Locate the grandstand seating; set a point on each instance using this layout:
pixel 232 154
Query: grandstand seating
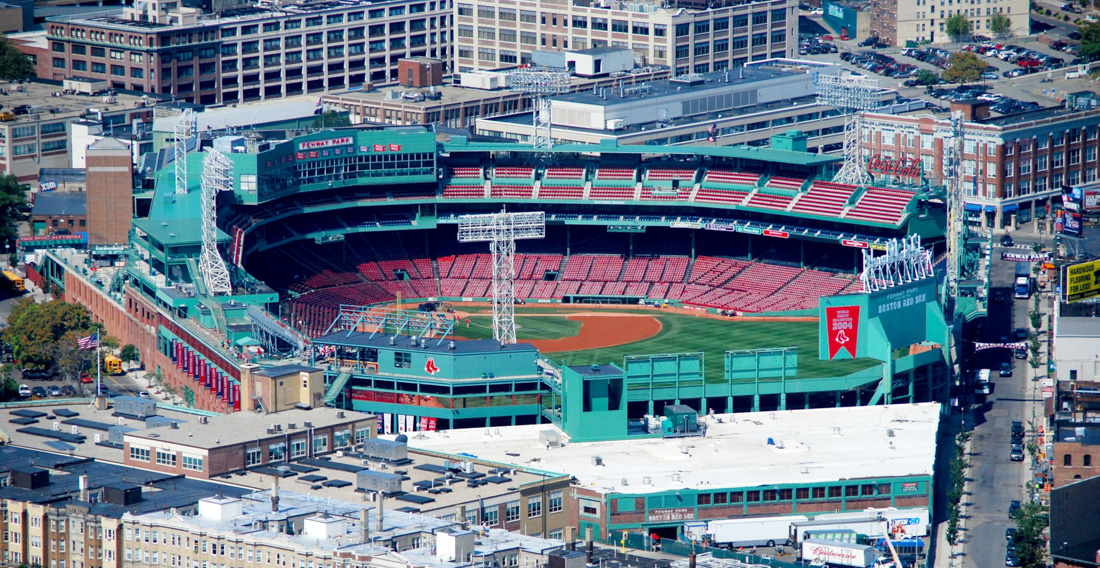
pixel 591 288
pixel 670 174
pixel 611 193
pixel 729 177
pixel 769 201
pixel 606 268
pixel 825 198
pixel 561 192
pixel 637 268
pixel 881 205
pixel 785 183
pixel 515 191
pixel 463 191
pixel 514 172
pixel 558 172
pixel 636 289
pixel 577 268
pixel 714 195
pixel 465 172
pixel 616 174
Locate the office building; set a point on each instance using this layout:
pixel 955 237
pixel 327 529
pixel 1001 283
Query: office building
pixel 1012 165
pixel 899 23
pixel 248 53
pixel 689 37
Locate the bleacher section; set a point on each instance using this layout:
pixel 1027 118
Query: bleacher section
pixel 615 176
pixel 785 183
pixel 513 191
pixel 514 172
pixel 465 172
pixel 681 175
pixel 763 200
pixel 726 196
pixel 463 192
pixel 729 177
pixel 557 172
pixel 881 205
pixel 611 193
pixel 824 198
pixel 561 192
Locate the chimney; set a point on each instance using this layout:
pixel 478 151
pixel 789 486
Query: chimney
pixel 275 495
pixel 364 529
pixel 460 515
pixel 570 538
pixel 378 522
pixel 82 483
pixel 588 553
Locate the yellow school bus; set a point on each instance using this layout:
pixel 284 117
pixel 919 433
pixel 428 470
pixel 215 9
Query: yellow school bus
pixel 13 282
pixel 112 364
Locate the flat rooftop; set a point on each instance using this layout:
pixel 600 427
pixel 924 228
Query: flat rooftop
pixel 245 116
pixel 680 86
pixel 240 427
pixel 45 106
pixel 364 339
pixel 811 446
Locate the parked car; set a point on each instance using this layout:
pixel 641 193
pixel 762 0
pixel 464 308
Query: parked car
pixel 1006 369
pixel 24 391
pixel 1021 334
pixel 990 76
pixel 39 392
pixel 1016 455
pixel 54 390
pixel 1013 508
pixel 68 390
pixel 1006 240
pixel 87 379
pixel 1017 430
pixel 983 388
pixel 1010 534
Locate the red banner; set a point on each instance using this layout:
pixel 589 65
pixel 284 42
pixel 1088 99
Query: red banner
pixel 367 395
pixel 236 397
pixel 842 327
pixel 778 234
pixel 856 244
pixel 427 424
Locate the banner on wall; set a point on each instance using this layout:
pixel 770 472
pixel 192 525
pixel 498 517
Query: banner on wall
pixel 842 326
pixel 236 397
pixel 386 425
pixel 427 424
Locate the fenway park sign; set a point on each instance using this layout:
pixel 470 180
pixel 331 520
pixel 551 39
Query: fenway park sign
pixel 900 167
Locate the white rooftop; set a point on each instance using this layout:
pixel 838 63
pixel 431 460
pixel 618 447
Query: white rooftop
pixel 810 446
pixel 245 116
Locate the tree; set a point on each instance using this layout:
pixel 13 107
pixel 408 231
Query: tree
pixel 331 119
pixel 13 196
pixel 14 65
pixel 129 353
pixel 40 333
pixel 957 27
pixel 1090 41
pixel 1000 25
pixel 963 67
pixel 926 77
pixel 1031 521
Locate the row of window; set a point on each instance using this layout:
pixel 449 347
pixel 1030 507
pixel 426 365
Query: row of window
pixel 622 26
pixel 191 462
pixel 801 494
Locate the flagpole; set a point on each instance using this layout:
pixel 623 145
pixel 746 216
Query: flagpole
pixel 98 376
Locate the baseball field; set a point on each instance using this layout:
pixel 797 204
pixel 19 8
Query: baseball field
pixel 577 335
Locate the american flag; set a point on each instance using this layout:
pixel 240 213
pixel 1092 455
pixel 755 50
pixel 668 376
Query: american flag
pixel 90 342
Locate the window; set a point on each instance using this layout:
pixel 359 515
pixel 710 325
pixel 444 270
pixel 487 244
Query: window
pixel 703 499
pixel 252 456
pixel 490 517
pixel 759 18
pixel 402 360
pixel 341 438
pixel 599 24
pixel 276 452
pixel 466 31
pixel 555 502
pixel 297 448
pixel 511 511
pixel 639 28
pixel 660 30
pixel 702 27
pixel 534 507
pixel 1057 160
pixel 486 12
pixel 320 444
pixel 506 14
pixel 137 452
pixel 192 462
pixel 529 17
pixel 620 26
pixel 1067 460
pixel 1086 460
pixel 589 507
pixel 58 63
pixel 137 73
pixel 165 457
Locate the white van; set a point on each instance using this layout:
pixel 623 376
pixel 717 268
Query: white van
pixel 981 376
pixel 24 391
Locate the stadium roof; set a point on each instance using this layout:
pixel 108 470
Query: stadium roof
pixel 735 152
pixel 810 446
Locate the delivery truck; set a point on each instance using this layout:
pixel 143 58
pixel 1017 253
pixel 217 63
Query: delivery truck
pixel 1023 280
pixel 908 523
pixel 753 531
pixel 820 552
pixel 864 524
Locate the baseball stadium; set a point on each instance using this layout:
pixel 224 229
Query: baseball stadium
pixel 698 277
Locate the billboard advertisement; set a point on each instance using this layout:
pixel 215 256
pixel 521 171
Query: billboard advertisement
pixel 1071 223
pixel 1082 281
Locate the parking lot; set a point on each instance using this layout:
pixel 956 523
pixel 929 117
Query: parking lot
pixel 39 386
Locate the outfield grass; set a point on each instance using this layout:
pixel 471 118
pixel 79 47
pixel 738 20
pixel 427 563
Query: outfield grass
pixel 680 333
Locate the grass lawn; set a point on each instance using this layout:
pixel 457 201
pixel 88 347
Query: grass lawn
pixel 680 333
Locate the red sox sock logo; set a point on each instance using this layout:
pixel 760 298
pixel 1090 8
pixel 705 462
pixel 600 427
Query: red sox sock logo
pixel 430 366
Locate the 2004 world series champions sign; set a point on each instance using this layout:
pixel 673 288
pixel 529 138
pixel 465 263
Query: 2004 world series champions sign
pixel 842 325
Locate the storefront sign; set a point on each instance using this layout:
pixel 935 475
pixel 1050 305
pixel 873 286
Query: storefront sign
pixel 901 167
pixel 677 514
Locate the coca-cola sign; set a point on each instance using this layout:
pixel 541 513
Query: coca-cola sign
pixel 900 167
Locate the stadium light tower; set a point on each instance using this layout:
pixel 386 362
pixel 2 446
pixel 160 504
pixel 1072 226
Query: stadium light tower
pixel 851 96
pixel 217 175
pixel 501 230
pixel 186 127
pixel 953 186
pixel 542 83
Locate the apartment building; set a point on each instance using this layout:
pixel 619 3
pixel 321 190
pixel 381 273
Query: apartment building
pixel 1012 165
pixel 919 21
pixel 301 530
pixel 248 53
pixel 690 38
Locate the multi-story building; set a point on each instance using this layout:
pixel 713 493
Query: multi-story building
pixel 293 529
pixel 922 21
pixel 1012 165
pixel 38 137
pixel 689 38
pixel 249 53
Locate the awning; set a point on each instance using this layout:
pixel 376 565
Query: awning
pixel 247 341
pixel 972 207
pixel 1011 208
pixel 990 209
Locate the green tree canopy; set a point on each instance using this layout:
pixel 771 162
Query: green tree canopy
pixel 14 65
pixel 41 334
pixel 129 353
pixel 1031 520
pixel 926 77
pixel 13 195
pixel 963 67
pixel 1000 25
pixel 1090 41
pixel 331 119
pixel 957 27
